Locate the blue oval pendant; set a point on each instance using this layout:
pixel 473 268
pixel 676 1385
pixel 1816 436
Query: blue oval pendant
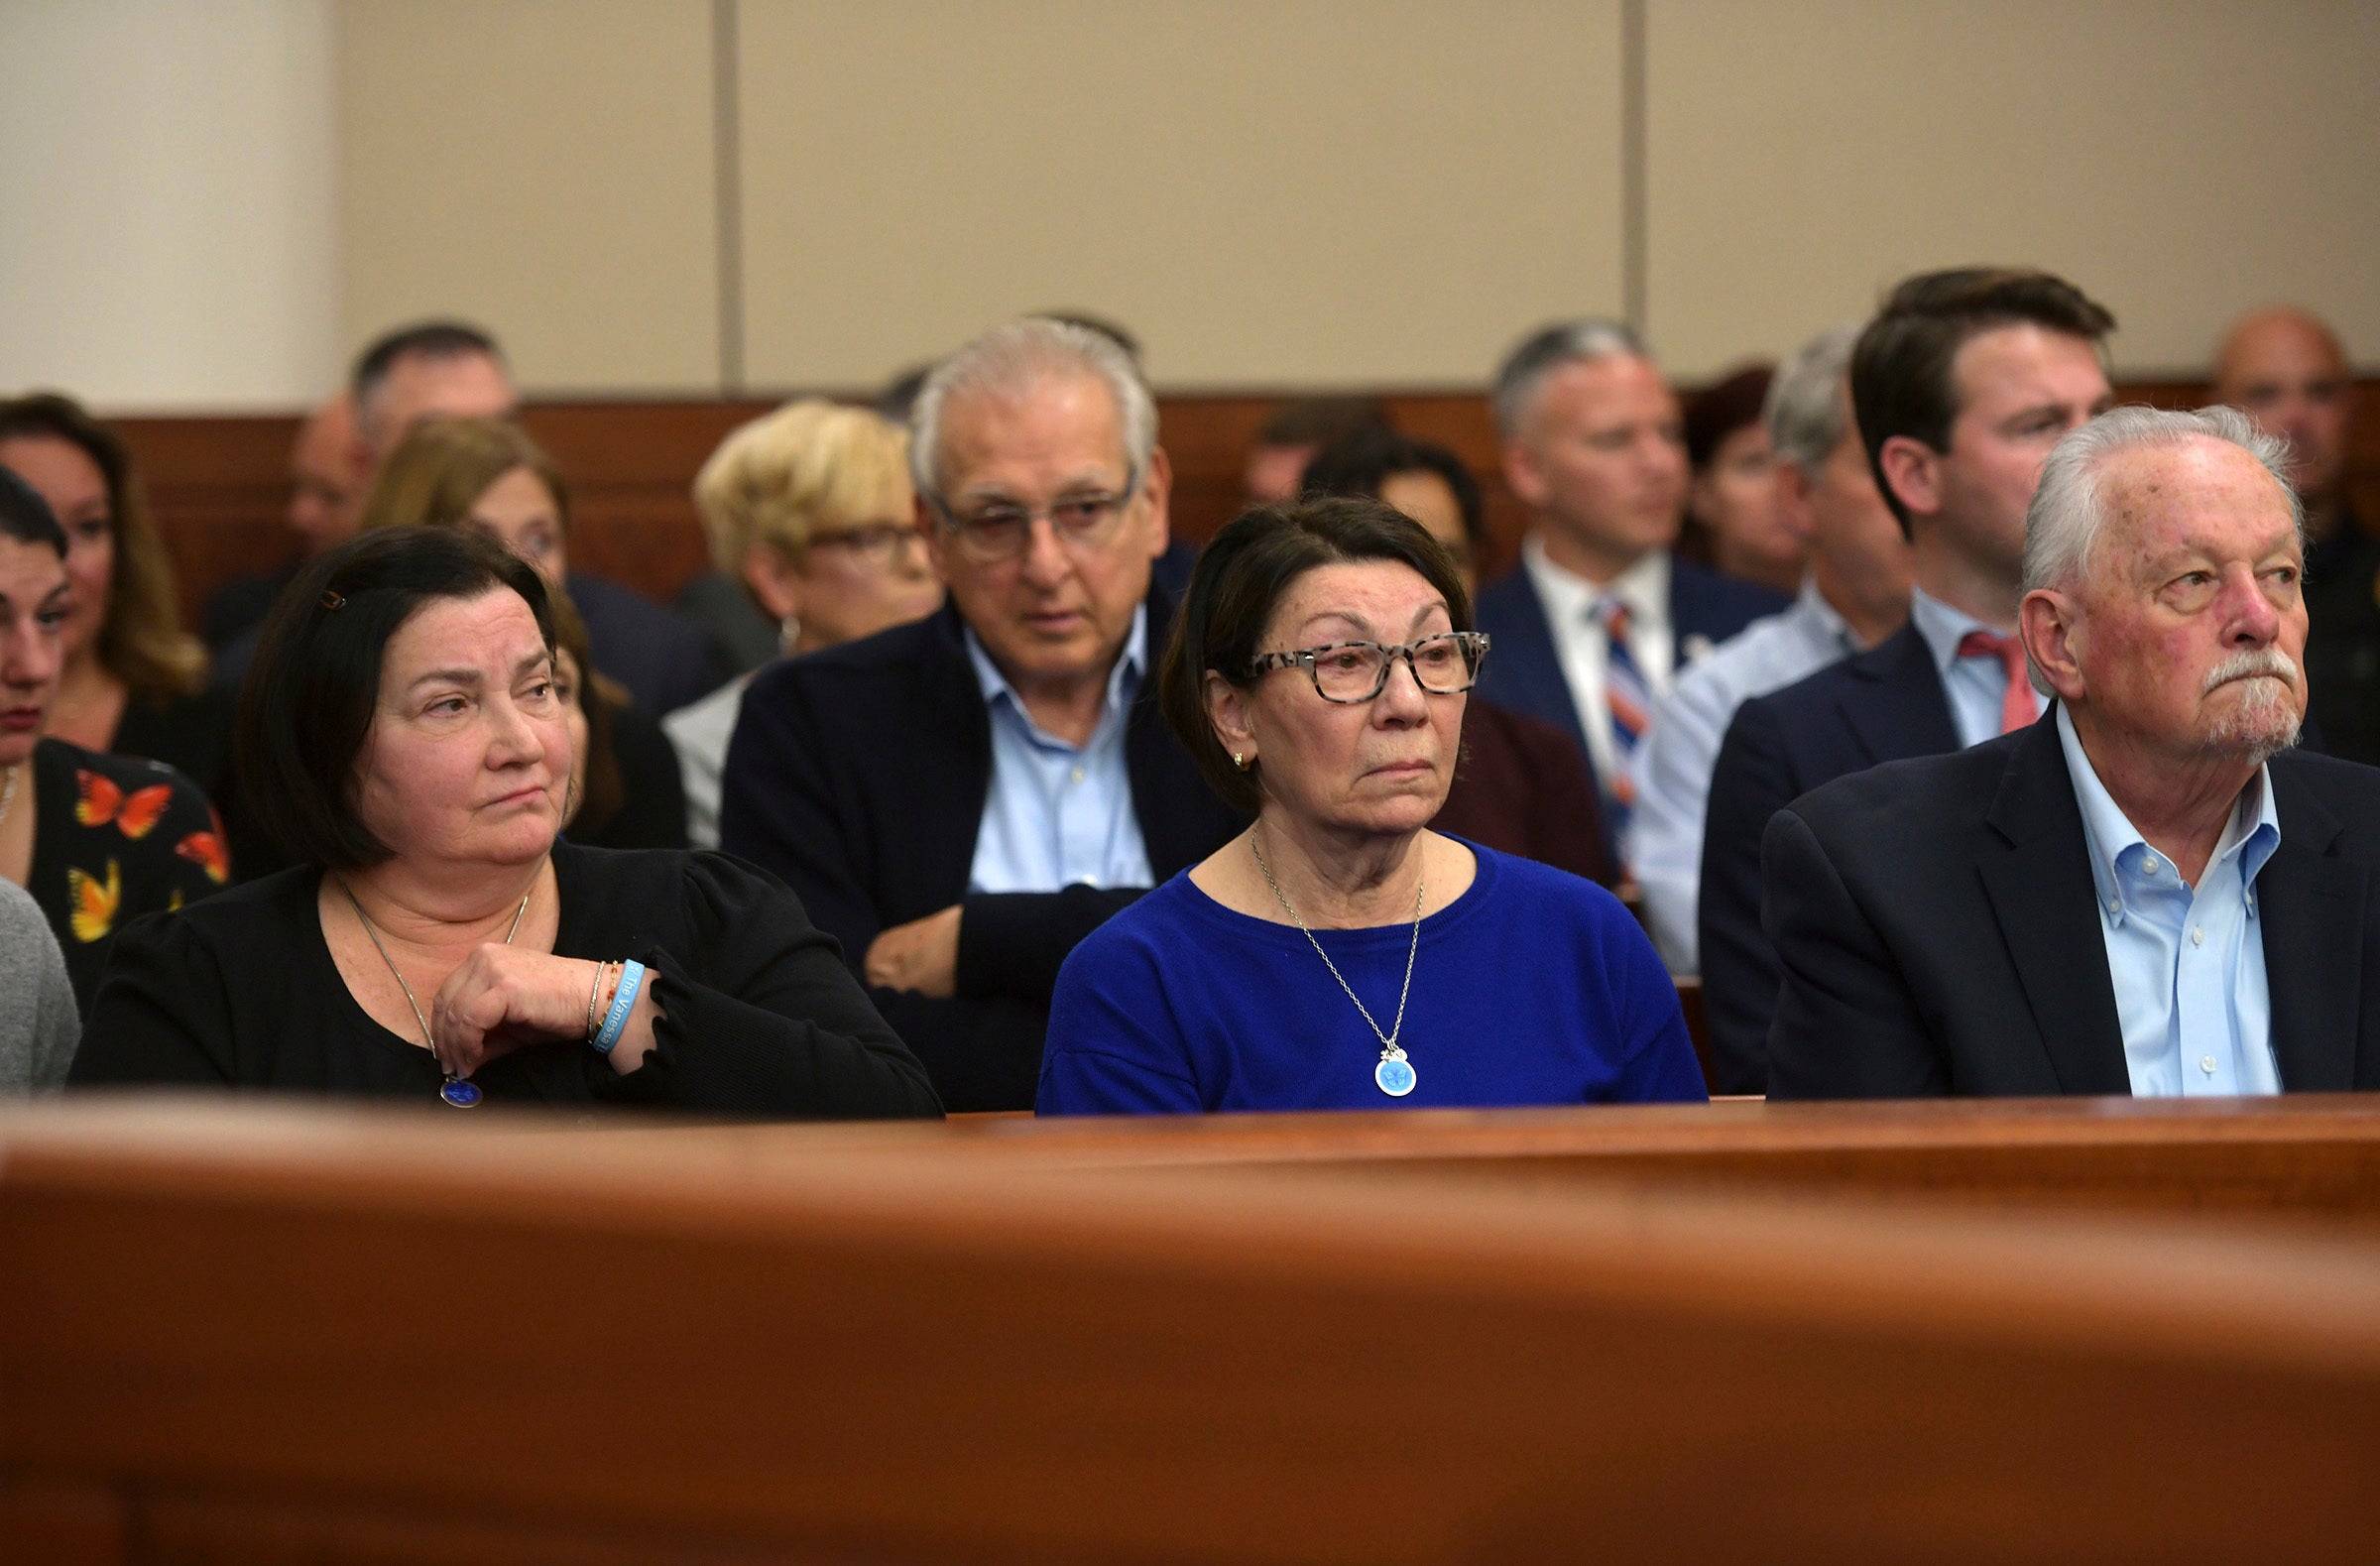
pixel 466 1095
pixel 1394 1076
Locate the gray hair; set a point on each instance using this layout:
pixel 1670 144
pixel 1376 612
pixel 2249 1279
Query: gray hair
pixel 1012 359
pixel 1808 408
pixel 1546 350
pixel 2069 513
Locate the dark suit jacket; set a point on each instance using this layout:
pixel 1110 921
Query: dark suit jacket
pixel 1881 705
pixel 2343 642
pixel 859 774
pixel 1525 670
pixel 658 655
pixel 1521 789
pixel 1940 932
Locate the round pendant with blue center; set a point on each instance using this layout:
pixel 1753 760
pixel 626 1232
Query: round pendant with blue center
pixel 466 1095
pixel 1394 1075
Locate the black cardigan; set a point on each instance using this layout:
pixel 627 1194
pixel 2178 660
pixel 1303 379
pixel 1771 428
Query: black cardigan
pixel 859 774
pixel 759 1019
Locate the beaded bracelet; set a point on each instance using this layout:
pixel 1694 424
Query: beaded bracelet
pixel 624 1001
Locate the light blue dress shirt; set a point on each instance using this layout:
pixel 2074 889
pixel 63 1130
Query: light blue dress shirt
pixel 1978 685
pixel 1059 814
pixel 1663 846
pixel 2188 963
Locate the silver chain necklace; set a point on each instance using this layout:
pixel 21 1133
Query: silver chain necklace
pixel 459 1091
pixel 1393 1074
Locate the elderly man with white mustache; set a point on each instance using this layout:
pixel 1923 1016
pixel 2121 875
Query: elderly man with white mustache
pixel 2146 892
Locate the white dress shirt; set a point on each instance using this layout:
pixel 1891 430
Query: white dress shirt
pixel 1663 848
pixel 1977 684
pixel 1570 601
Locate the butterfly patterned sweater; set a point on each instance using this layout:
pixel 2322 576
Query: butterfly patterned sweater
pixel 117 837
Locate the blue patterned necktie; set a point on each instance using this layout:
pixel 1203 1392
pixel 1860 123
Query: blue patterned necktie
pixel 1630 701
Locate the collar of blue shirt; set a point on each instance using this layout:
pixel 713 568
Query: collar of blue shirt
pixel 2119 854
pixel 1123 683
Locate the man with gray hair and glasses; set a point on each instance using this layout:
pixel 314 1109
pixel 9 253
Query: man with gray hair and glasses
pixel 1856 595
pixel 962 799
pixel 1600 615
pixel 2144 892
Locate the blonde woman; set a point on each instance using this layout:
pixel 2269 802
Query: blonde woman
pixel 811 509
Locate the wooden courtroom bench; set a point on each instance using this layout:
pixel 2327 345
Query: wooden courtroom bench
pixel 2310 1158
pixel 278 1333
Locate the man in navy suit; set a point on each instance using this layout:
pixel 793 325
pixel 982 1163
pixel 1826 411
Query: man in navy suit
pixel 2142 893
pixel 1961 385
pixel 1600 614
pixel 962 799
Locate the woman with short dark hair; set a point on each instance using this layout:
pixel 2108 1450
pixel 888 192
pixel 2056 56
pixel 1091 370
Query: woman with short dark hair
pixel 488 475
pixel 402 733
pixel 1524 787
pixel 98 839
pixel 1339 954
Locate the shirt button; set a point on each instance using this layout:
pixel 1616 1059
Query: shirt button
pixel 1076 776
pixel 2152 864
pixel 2206 1064
pixel 2197 936
pixel 2114 906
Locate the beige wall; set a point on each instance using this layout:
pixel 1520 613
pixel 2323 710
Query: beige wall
pixel 1269 193
pixel 168 213
pixel 2180 159
pixel 543 167
pixel 215 201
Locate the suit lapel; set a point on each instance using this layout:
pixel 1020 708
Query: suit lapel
pixel 1905 712
pixel 2309 903
pixel 2042 895
pixel 1525 667
pixel 941 842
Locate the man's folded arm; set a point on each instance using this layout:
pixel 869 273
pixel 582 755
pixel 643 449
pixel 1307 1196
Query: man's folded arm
pixel 1012 943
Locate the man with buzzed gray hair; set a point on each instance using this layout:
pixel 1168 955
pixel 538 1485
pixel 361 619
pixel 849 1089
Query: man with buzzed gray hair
pixel 1856 595
pixel 960 800
pixel 2144 892
pixel 1592 626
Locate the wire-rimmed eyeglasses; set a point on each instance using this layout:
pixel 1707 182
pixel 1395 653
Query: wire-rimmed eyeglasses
pixel 1353 672
pixel 1000 529
pixel 875 546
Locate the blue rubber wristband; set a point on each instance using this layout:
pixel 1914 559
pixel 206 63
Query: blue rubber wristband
pixel 624 1001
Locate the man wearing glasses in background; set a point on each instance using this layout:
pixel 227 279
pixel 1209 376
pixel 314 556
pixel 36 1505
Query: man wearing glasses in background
pixel 959 801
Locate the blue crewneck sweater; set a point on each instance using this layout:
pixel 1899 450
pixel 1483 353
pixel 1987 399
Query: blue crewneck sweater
pixel 1533 987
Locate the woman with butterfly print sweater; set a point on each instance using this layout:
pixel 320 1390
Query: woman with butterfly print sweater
pixel 96 839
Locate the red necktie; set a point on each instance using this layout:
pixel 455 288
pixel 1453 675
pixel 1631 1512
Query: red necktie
pixel 2016 703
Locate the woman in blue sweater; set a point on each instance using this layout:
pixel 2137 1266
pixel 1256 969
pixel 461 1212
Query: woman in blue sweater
pixel 1339 954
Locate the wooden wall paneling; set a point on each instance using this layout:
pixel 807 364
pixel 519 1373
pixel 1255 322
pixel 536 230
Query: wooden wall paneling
pixel 911 1358
pixel 218 484
pixel 47 1521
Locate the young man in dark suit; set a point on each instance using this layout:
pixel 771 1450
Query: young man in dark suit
pixel 2144 892
pixel 961 801
pixel 1960 387
pixel 1600 613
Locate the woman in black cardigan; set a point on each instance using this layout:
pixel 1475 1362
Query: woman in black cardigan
pixel 436 941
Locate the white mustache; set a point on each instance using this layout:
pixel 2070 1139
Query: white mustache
pixel 2249 665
